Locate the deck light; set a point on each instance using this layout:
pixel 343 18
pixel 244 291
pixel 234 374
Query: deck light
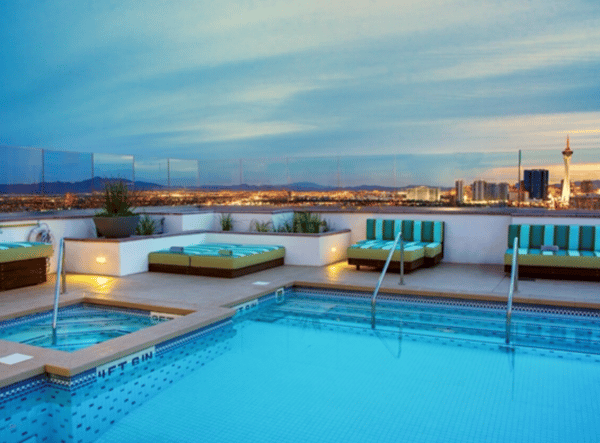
pixel 101 260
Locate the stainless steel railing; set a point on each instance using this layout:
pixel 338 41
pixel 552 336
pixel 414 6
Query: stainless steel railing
pixel 61 285
pixel 385 267
pixel 514 277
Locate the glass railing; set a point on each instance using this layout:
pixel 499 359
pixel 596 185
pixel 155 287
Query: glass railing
pixel 26 170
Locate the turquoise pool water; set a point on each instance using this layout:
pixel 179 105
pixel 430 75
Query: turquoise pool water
pixel 311 369
pixel 78 326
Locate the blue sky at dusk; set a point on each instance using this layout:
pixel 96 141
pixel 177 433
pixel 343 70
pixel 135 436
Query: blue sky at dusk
pixel 243 79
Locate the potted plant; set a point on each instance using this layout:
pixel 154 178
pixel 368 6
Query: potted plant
pixel 116 220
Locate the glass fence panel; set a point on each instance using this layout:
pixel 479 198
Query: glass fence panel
pixel 215 174
pixel 265 172
pixel 183 173
pixel 21 170
pixel 109 167
pixel 365 172
pixel 313 173
pixel 67 172
pixel 151 174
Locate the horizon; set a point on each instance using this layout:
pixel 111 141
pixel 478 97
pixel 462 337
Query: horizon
pixel 236 80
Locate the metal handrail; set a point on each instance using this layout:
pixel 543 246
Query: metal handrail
pixel 387 263
pixel 60 278
pixel 514 276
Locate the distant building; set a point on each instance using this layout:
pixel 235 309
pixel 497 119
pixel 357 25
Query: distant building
pixel 423 193
pixel 566 187
pixel 460 192
pixel 478 189
pixel 535 181
pixel 587 186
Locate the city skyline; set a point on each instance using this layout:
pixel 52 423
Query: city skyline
pixel 240 80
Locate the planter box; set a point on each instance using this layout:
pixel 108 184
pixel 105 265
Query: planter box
pixel 119 257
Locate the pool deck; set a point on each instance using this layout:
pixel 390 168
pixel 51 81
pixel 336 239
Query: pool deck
pixel 211 299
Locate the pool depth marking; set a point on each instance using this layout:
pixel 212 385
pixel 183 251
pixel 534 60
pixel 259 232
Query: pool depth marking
pixel 130 361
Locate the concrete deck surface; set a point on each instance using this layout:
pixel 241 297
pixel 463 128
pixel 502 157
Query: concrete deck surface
pixel 211 298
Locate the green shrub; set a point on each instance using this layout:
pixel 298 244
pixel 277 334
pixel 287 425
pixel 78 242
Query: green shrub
pixel 226 221
pixel 146 226
pixel 117 201
pixel 309 223
pixel 260 226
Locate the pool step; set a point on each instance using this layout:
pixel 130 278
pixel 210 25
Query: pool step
pixel 535 329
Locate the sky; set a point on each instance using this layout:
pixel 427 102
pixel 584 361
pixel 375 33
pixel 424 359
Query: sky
pixel 211 80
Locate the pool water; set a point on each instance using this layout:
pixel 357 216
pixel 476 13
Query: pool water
pixel 78 326
pixel 312 370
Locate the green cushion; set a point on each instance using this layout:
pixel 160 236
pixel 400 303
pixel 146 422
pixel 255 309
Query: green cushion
pixel 411 253
pixel 597 239
pixel 586 238
pixel 17 251
pixel 433 249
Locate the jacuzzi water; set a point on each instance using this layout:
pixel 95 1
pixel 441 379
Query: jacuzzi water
pixel 311 369
pixel 78 326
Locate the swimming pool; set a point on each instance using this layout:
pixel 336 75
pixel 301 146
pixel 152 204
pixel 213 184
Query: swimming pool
pixel 311 369
pixel 79 326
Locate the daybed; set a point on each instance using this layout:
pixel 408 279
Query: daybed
pixel 23 264
pixel 216 259
pixel 556 251
pixel 423 244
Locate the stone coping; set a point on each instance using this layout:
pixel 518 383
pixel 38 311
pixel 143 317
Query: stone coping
pixel 391 210
pixel 178 234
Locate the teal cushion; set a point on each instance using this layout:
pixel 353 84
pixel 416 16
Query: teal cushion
pixel 524 237
pixel 513 231
pixel 438 231
pixel 586 238
pixel 574 238
pixel 388 229
pixel 370 229
pixel 561 236
pixel 378 229
pixel 417 231
pixel 548 235
pixel 427 232
pixel 536 236
pixel 407 230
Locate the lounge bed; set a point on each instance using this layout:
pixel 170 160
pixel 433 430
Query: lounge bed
pixel 423 244
pixel 216 259
pixel 23 264
pixel 556 251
